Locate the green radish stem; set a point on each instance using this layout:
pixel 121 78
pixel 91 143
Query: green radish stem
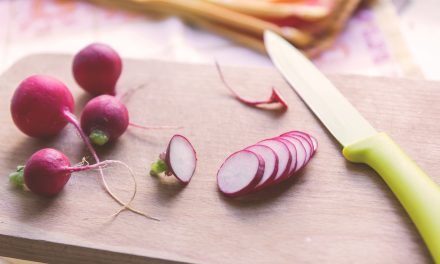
pixel 98 137
pixel 160 166
pixel 72 119
pixel 16 177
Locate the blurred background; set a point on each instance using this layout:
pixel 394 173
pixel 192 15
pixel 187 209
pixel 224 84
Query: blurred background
pixel 382 37
pixel 394 38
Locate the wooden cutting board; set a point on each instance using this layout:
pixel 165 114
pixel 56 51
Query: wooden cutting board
pixel 333 212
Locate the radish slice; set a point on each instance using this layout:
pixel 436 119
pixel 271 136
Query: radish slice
pixel 292 150
pixel 240 173
pixel 301 154
pixel 307 146
pixel 306 137
pixel 315 144
pixel 270 164
pixel 181 158
pixel 284 157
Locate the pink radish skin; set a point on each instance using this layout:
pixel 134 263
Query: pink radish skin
pixel 284 158
pixel 96 68
pixel 301 155
pixel 292 150
pixel 275 97
pixel 42 106
pixel 270 164
pixel 240 173
pixel 179 159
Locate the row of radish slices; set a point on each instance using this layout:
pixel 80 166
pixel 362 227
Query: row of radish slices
pixel 266 163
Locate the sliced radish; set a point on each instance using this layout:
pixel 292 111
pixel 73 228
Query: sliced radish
pixel 301 154
pixel 181 158
pixel 240 173
pixel 284 157
pixel 312 142
pixel 292 150
pixel 270 164
pixel 307 146
pixel 315 144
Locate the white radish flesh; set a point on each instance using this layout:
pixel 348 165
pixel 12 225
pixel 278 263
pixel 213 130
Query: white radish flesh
pixel 270 164
pixel 315 144
pixel 307 146
pixel 292 150
pixel 301 155
pixel 312 142
pixel 181 158
pixel 240 173
pixel 284 157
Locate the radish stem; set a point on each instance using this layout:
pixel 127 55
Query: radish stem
pixel 16 177
pixel 158 167
pixel 98 137
pixel 72 119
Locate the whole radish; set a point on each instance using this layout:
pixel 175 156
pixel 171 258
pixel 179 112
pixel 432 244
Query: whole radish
pixel 96 68
pixel 48 170
pixel 105 118
pixel 42 106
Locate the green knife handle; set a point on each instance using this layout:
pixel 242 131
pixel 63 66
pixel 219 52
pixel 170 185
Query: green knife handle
pixel 419 194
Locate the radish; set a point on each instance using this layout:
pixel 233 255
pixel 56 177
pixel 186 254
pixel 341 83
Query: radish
pixel 270 164
pixel 273 161
pixel 41 106
pixel 275 97
pixel 96 68
pixel 284 157
pixel 292 150
pixel 306 144
pixel 301 154
pixel 105 118
pixel 48 170
pixel 240 173
pixel 180 160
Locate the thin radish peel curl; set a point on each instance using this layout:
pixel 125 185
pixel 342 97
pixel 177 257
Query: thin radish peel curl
pixel 275 97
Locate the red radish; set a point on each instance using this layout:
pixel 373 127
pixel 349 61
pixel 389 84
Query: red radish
pixel 96 68
pixel 240 173
pixel 48 170
pixel 312 141
pixel 275 97
pixel 180 160
pixel 307 146
pixel 105 118
pixel 292 150
pixel 270 164
pixel 41 106
pixel 284 157
pixel 301 155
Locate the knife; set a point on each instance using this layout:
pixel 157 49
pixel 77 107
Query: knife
pixel 416 191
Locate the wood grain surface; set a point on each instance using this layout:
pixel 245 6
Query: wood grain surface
pixel 333 212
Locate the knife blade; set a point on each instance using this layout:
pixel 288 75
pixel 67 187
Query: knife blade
pixel 416 191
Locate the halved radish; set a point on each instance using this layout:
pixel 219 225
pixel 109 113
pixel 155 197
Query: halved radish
pixel 284 157
pixel 301 155
pixel 270 164
pixel 292 150
pixel 240 173
pixel 180 160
